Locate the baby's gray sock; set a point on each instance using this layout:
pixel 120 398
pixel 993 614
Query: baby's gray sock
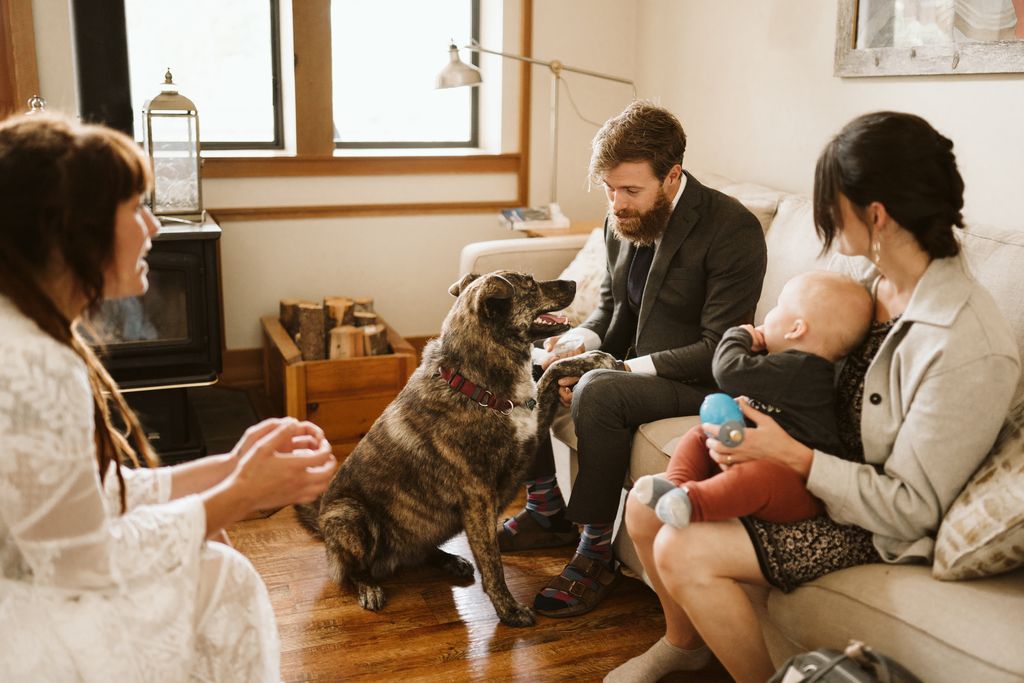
pixel 649 488
pixel 675 508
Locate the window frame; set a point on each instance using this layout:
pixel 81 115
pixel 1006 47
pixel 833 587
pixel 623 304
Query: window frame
pixel 305 153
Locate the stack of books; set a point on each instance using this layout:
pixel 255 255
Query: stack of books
pixel 534 218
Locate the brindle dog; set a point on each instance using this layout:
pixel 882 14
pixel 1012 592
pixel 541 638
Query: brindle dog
pixel 446 455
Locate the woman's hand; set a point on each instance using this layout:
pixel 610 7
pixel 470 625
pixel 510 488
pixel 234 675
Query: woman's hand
pixel 766 441
pixel 290 463
pixel 279 462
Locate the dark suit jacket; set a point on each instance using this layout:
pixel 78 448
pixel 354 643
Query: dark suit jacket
pixel 705 278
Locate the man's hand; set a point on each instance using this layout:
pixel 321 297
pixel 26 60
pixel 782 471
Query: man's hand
pixel 558 351
pixel 565 387
pixel 757 334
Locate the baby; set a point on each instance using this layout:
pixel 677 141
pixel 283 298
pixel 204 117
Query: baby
pixel 786 367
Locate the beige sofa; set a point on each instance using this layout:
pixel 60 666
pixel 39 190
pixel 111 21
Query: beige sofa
pixel 962 631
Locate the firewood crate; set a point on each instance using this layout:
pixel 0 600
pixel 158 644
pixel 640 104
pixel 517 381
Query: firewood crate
pixel 344 396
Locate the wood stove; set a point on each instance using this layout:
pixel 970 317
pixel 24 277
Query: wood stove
pixel 158 345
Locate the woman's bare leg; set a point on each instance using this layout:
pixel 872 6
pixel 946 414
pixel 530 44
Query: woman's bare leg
pixel 700 567
pixel 681 649
pixel 643 526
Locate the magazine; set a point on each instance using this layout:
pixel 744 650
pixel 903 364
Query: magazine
pixel 534 218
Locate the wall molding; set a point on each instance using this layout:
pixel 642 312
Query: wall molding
pixel 263 167
pixel 242 368
pixel 259 213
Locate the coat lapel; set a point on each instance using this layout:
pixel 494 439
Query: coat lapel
pixel 680 224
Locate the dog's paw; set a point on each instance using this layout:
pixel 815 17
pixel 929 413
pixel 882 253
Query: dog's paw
pixel 371 597
pixel 518 615
pixel 576 366
pixel 459 567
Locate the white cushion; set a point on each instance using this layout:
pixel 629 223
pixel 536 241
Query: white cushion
pixel 793 248
pixel 587 269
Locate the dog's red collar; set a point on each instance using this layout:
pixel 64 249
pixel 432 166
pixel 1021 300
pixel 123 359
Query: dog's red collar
pixel 482 396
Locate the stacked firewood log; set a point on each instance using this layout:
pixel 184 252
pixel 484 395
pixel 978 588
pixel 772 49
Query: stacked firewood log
pixel 337 327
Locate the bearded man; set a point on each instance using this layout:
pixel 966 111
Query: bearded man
pixel 685 263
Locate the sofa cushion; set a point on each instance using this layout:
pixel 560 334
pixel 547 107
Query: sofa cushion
pixel 587 270
pixel 995 256
pixel 967 631
pixel 761 201
pixel 793 248
pixel 983 532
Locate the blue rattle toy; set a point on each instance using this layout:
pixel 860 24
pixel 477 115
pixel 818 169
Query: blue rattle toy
pixel 722 410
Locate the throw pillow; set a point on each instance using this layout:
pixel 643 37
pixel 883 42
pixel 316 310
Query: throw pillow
pixel 983 532
pixel 588 269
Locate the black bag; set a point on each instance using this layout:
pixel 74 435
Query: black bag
pixel 857 664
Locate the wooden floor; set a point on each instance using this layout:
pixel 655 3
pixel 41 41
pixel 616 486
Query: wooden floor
pixel 434 630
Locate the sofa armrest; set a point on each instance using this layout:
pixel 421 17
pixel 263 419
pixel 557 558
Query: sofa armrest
pixel 543 257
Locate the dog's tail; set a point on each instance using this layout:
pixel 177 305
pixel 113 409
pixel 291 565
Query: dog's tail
pixel 308 514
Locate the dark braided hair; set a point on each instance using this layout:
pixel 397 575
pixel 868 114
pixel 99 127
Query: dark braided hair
pixel 899 160
pixel 60 185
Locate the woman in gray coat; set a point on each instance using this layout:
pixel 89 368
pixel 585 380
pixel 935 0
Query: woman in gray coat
pixel 918 405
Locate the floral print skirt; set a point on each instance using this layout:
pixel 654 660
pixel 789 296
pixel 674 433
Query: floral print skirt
pixel 793 554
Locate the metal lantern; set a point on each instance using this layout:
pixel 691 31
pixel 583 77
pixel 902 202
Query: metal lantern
pixel 36 105
pixel 171 139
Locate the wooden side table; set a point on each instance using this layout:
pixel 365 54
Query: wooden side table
pixel 575 228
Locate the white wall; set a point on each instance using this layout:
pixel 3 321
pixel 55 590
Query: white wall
pixel 752 83
pixel 405 263
pixel 597 35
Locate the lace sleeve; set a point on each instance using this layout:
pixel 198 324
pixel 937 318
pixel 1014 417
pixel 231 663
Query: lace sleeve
pixel 51 502
pixel 143 486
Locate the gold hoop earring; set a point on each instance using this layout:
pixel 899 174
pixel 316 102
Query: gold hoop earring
pixel 876 251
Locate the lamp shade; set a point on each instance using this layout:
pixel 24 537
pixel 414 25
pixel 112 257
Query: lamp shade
pixel 456 72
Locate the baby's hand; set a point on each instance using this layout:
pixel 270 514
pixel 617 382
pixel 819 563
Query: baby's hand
pixel 757 335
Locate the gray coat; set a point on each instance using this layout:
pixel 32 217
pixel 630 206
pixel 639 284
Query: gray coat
pixel 705 278
pixel 935 396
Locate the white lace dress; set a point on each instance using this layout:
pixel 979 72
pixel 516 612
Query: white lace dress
pixel 89 594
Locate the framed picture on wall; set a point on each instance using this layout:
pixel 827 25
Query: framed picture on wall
pixel 919 37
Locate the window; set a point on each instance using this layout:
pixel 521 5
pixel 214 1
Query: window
pixel 123 48
pixel 385 57
pixel 226 57
pixel 239 99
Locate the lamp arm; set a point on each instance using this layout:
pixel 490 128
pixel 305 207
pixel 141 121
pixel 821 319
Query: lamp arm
pixel 555 66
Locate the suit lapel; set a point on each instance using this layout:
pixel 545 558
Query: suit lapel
pixel 680 223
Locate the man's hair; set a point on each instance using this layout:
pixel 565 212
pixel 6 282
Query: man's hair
pixel 642 132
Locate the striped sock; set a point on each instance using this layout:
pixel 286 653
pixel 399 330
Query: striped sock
pixel 596 543
pixel 543 501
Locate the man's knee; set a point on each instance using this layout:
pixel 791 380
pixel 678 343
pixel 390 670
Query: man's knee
pixel 599 393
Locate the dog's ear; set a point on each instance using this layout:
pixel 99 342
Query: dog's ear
pixel 457 287
pixel 496 287
pixel 494 297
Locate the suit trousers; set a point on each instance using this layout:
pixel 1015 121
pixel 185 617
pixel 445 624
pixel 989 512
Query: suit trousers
pixel 607 408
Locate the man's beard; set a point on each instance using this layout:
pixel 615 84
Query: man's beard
pixel 642 229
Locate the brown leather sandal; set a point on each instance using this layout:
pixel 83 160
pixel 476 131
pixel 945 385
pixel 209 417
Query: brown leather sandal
pixel 589 596
pixel 530 534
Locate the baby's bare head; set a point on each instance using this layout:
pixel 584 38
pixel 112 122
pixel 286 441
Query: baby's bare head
pixel 836 311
